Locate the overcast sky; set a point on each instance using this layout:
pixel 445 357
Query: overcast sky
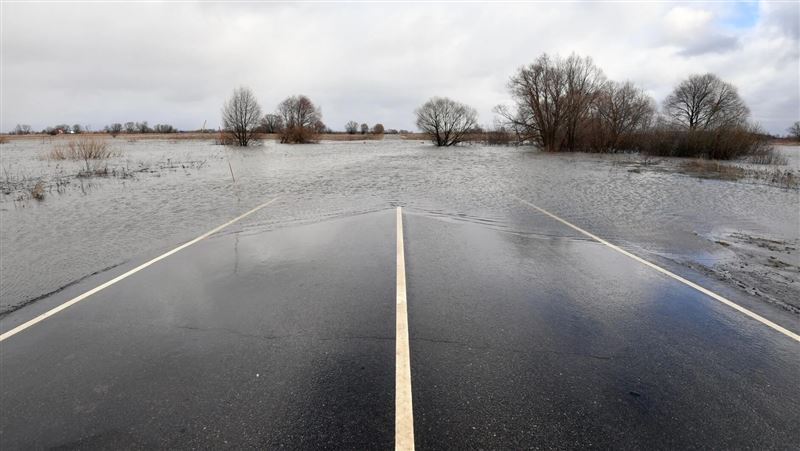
pixel 98 63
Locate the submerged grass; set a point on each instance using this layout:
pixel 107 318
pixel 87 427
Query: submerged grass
pixel 777 176
pixel 81 149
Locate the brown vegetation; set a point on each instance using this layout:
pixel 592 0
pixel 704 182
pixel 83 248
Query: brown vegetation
pixel 347 137
pixel 86 149
pixel 301 119
pixel 553 98
pixel 720 144
pixel 37 192
pixel 566 104
pixel 784 178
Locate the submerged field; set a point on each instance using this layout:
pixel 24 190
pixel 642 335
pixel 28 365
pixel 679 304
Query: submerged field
pixel 739 225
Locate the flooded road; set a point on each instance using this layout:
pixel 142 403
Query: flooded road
pixel 278 329
pixel 171 191
pixel 284 338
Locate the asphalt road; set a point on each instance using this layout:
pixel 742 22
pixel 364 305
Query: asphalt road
pixel 286 339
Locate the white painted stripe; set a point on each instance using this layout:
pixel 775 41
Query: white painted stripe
pixel 697 287
pixel 403 412
pixel 133 271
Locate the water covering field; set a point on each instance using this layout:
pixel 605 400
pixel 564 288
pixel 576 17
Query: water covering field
pixel 155 194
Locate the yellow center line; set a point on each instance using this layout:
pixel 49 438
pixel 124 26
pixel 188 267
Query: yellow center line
pixel 133 271
pixel 668 273
pixel 403 412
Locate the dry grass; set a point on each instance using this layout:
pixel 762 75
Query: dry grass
pixel 776 176
pixel 3 139
pixel 767 155
pixel 86 149
pixel 37 192
pixel 81 149
pixel 348 137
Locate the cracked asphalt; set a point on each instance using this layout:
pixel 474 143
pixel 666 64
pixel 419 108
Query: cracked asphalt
pixel 286 339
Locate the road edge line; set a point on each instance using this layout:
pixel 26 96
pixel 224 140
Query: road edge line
pixel 133 271
pixel 668 273
pixel 403 410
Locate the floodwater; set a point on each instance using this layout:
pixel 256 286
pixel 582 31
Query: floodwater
pixel 157 194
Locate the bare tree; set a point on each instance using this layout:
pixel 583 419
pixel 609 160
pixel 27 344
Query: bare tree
pixel 446 121
pixel 77 128
pixel 377 129
pixel 622 109
pixel 130 127
pixel 299 116
pixel 271 123
pixel 351 127
pixel 364 129
pixel 142 127
pixel 794 131
pixel 320 127
pixel 553 96
pixel 164 128
pixel 114 129
pixel 539 92
pixel 584 84
pixel 22 129
pixel 704 102
pixel 241 116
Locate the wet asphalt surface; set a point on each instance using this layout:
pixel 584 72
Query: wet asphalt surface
pixel 285 339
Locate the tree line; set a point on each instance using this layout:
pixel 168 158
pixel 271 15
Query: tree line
pixel 112 129
pixel 138 127
pixel 295 120
pixel 569 104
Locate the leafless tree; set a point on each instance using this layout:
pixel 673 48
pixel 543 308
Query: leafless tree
pixel 794 131
pixel 364 129
pixel 77 128
pixel 114 129
pixel 704 102
pixel 241 116
pixel 552 96
pixel 22 129
pixel 164 128
pixel 299 116
pixel 130 127
pixel 584 84
pixel 446 121
pixel 377 129
pixel 142 127
pixel 539 93
pixel 271 123
pixel 351 127
pixel 621 109
pixel 320 127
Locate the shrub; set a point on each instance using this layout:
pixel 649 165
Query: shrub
pixel 86 149
pixel 721 144
pixel 37 192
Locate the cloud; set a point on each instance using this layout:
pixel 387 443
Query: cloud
pixel 97 63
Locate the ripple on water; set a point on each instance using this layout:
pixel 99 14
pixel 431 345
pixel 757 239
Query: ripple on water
pixel 184 188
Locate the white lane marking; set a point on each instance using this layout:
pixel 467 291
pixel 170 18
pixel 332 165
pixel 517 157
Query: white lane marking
pixel 83 296
pixel 403 412
pixel 697 287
